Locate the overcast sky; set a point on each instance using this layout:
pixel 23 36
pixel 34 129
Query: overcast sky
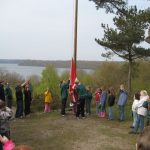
pixel 44 29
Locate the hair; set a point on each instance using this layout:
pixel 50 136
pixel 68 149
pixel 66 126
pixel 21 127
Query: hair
pixel 143 141
pixel 22 147
pixel 112 91
pixel 137 95
pixel 143 93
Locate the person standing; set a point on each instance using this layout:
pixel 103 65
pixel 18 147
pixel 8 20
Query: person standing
pixel 19 100
pixel 97 99
pixel 64 95
pixel 88 100
pixel 47 100
pixel 2 91
pixel 103 100
pixel 123 96
pixel 81 101
pixel 141 112
pixel 8 96
pixel 5 115
pixel 111 102
pixel 27 100
pixel 134 109
pixel 146 105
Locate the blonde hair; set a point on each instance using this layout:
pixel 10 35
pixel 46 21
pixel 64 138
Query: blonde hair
pixel 22 147
pixel 143 93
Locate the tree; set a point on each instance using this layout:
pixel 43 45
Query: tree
pixel 124 40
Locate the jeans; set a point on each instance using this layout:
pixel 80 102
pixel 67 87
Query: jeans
pixel 139 124
pixel 97 107
pixel 110 112
pixel 80 108
pixel 88 106
pixel 63 106
pixel 121 113
pixel 134 118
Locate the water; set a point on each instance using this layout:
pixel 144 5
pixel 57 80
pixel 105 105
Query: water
pixel 27 71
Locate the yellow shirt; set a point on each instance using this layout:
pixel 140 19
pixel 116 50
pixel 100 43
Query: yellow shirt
pixel 48 97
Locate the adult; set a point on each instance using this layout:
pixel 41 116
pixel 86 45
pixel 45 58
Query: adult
pixel 2 91
pixel 27 100
pixel 123 96
pixel 81 101
pixel 8 96
pixel 64 86
pixel 19 101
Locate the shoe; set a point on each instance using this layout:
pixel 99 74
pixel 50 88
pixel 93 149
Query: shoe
pixel 131 126
pixel 63 115
pixel 77 118
pixel 83 117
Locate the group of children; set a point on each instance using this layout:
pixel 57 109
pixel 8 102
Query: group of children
pixel 103 97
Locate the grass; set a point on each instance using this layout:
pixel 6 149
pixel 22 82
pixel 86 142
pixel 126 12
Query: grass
pixel 52 131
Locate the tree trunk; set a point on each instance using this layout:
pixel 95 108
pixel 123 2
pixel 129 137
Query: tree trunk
pixel 129 77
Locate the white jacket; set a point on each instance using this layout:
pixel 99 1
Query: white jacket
pixel 135 102
pixel 139 106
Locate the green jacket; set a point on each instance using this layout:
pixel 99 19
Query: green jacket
pixel 146 104
pixel 81 91
pixel 88 96
pixel 64 90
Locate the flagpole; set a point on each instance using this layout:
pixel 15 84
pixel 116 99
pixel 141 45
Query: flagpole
pixel 75 33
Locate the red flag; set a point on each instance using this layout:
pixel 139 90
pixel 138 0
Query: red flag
pixel 72 74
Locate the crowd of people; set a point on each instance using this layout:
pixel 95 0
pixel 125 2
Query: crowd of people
pixel 81 97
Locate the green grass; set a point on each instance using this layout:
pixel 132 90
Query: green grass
pixel 54 132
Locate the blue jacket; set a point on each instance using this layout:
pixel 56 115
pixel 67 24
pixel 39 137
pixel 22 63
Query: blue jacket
pixel 103 98
pixel 122 98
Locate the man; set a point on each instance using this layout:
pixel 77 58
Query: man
pixel 64 95
pixel 81 98
pixel 121 102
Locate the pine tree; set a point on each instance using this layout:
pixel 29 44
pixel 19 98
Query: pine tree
pixel 125 39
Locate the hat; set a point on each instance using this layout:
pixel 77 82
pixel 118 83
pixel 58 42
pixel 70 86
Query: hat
pixel 76 80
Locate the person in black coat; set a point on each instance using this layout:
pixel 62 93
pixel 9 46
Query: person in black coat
pixel 19 100
pixel 27 100
pixel 2 91
pixel 111 102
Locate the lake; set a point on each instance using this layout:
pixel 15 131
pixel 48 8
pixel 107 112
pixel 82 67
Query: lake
pixel 27 71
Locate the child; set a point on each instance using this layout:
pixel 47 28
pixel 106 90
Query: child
pixel 5 115
pixel 103 100
pixel 146 104
pixel 48 100
pixel 111 101
pixel 141 111
pixel 88 100
pixel 97 99
pixel 134 110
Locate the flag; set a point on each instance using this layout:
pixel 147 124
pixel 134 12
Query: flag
pixel 72 74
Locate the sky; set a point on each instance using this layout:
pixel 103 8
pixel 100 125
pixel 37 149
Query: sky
pixel 44 29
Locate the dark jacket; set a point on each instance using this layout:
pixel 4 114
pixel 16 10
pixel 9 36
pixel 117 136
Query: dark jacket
pixel 2 92
pixel 19 94
pixel 111 100
pixel 64 90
